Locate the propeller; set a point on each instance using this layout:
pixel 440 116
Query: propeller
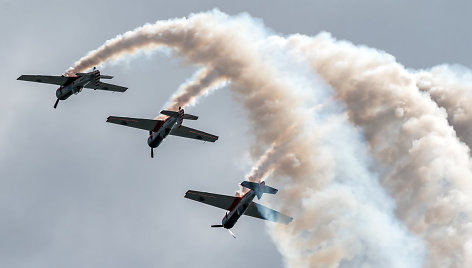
pixel 152 149
pixel 55 104
pixel 231 233
pixel 229 230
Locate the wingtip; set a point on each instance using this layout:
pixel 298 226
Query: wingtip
pixel 187 194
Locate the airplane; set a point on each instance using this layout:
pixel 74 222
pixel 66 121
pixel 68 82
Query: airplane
pixel 238 206
pixel 69 85
pixel 160 129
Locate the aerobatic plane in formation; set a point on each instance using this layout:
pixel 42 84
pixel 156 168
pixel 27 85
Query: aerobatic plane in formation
pixel 160 129
pixel 238 206
pixel 69 85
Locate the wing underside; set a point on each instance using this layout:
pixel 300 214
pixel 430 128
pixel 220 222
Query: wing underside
pixel 108 87
pixel 191 133
pixel 145 124
pixel 47 79
pixel 259 211
pixel 217 200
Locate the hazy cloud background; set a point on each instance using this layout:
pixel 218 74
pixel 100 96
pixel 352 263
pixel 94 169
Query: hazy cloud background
pixel 78 192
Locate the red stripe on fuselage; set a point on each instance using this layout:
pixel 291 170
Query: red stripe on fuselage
pixel 159 125
pixel 236 202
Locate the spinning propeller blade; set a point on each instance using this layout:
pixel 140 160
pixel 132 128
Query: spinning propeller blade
pixel 231 233
pixel 55 104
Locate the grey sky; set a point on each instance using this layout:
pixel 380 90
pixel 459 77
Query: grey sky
pixel 78 192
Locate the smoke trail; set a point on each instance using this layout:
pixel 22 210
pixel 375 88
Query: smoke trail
pixel 343 217
pixel 202 83
pixel 425 166
pixel 262 168
pixel 451 88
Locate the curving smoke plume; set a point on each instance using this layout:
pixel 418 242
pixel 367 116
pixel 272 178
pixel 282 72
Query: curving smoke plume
pixel 343 215
pixel 202 83
pixel 451 87
pixel 424 165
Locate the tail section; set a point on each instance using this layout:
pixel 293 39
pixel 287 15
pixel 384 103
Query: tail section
pixel 259 188
pixel 95 77
pixel 181 115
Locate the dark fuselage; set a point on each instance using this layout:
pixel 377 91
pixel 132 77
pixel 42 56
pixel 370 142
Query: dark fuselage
pixel 163 131
pixel 74 85
pixel 230 219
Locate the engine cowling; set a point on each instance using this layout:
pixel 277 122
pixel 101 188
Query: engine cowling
pixel 76 89
pixel 63 93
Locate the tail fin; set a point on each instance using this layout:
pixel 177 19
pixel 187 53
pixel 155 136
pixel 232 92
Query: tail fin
pixel 180 114
pixel 181 117
pixel 259 188
pixel 94 77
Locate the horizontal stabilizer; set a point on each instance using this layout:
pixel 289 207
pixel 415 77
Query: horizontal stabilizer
pixel 190 117
pixel 145 124
pixel 259 211
pixel 176 114
pixel 259 188
pixel 170 113
pixel 105 76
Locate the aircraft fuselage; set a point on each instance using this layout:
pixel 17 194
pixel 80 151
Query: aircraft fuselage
pixel 74 85
pixel 156 137
pixel 230 219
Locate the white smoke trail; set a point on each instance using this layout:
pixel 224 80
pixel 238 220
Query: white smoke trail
pixel 201 84
pixel 425 167
pixel 451 88
pixel 343 217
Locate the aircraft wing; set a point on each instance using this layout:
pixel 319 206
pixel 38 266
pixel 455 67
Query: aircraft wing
pixel 48 79
pixel 105 86
pixel 191 133
pixel 259 211
pixel 146 124
pixel 217 200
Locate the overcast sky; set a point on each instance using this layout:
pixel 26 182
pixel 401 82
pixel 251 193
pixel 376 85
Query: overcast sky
pixel 78 192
